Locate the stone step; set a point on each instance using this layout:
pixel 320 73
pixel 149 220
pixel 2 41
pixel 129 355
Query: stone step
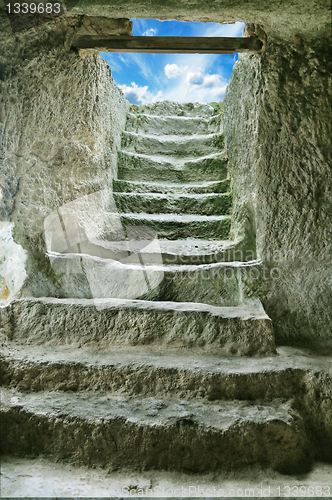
pixel 174 227
pixel 149 433
pixel 154 203
pixel 194 251
pixel 140 372
pixel 171 125
pixel 119 323
pixel 158 168
pixel 121 186
pixel 218 284
pixel 170 108
pixel 187 146
pixel 152 251
pixel 37 477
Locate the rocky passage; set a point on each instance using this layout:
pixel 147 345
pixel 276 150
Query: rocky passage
pixel 172 186
pixel 176 367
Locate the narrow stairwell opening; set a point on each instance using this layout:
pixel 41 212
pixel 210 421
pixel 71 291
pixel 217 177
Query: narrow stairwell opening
pixel 172 181
pixel 173 197
pixel 157 238
pixel 176 77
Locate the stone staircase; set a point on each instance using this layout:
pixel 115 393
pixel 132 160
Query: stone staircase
pixel 173 184
pixel 176 370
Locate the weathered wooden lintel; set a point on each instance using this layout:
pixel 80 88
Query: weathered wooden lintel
pixel 169 44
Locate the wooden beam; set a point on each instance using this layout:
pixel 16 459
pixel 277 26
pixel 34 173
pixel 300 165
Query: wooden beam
pixel 169 44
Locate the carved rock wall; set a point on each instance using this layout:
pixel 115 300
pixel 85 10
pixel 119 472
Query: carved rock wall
pixel 278 136
pixel 60 117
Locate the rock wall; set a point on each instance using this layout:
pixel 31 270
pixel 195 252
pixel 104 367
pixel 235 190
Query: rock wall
pixel 60 118
pixel 278 136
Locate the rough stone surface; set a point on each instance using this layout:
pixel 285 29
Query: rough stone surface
pixel 175 109
pixel 277 132
pixel 131 166
pixel 61 116
pixel 193 145
pixel 183 125
pixel 41 478
pixel 242 330
pixel 277 17
pixel 291 99
pixel 122 186
pixel 153 433
pixel 137 371
pixel 131 372
pixel 174 226
pixel 277 129
pixel 200 204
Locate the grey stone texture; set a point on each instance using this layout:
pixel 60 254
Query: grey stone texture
pixel 163 325
pixel 289 20
pixel 275 413
pixel 41 477
pixel 153 433
pixel 278 136
pixel 277 132
pixel 60 117
pixel 146 383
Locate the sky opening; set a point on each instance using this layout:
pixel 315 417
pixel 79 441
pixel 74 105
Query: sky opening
pixel 176 77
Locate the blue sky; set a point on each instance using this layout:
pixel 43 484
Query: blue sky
pixel 176 77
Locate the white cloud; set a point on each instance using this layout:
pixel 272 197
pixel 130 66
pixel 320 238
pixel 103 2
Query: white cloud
pixel 140 95
pixel 140 62
pixel 173 70
pixel 222 29
pixel 197 85
pixel 158 96
pixel 213 84
pixel 194 78
pixel 150 32
pixel 212 81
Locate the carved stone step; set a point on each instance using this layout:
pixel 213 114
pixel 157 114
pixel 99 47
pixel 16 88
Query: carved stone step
pixel 161 168
pixel 141 372
pixel 121 186
pixel 154 203
pixel 171 125
pixel 187 146
pixel 146 433
pixel 172 108
pixel 174 227
pixel 163 326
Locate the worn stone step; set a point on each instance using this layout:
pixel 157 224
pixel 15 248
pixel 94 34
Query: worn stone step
pixel 174 227
pixel 157 168
pixel 163 326
pixel 152 251
pixel 171 125
pixel 187 146
pixel 153 203
pixel 171 108
pixel 195 251
pixel 218 284
pixel 36 477
pixel 140 372
pixel 121 186
pixel 149 433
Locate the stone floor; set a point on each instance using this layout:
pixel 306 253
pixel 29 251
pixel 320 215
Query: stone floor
pixel 40 478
